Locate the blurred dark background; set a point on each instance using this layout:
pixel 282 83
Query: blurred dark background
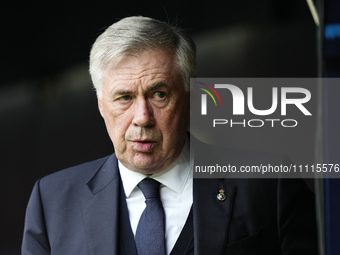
pixel 48 112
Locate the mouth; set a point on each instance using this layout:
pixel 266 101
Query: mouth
pixel 143 145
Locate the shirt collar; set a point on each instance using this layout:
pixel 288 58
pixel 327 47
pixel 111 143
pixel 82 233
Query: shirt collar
pixel 174 177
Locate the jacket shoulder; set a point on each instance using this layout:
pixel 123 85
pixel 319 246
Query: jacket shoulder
pixel 75 175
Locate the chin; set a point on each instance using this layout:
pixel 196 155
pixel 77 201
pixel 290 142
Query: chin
pixel 147 167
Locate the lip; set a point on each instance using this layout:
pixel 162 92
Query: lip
pixel 143 140
pixel 143 145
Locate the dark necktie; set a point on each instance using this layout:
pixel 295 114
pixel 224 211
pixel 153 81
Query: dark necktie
pixel 149 237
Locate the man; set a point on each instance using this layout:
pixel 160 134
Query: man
pixel 141 68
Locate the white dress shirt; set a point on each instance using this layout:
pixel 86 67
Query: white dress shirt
pixel 176 195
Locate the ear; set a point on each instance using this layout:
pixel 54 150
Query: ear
pixel 100 106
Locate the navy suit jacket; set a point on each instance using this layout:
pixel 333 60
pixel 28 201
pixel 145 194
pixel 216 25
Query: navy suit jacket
pixel 75 211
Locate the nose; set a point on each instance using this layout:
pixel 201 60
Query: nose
pixel 143 113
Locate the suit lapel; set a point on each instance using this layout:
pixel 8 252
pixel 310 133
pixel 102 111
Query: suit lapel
pixel 211 216
pixel 100 209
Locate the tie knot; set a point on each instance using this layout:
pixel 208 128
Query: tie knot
pixel 150 188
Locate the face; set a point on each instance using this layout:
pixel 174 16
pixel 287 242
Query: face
pixel 145 109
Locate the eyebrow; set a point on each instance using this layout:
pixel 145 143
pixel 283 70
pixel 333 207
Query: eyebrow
pixel 157 86
pixel 151 88
pixel 122 92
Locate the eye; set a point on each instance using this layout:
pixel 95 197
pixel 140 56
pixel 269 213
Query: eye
pixel 125 98
pixel 159 94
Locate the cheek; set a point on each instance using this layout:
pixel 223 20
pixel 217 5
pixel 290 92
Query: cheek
pixel 174 120
pixel 118 128
pixel 116 123
pixel 179 115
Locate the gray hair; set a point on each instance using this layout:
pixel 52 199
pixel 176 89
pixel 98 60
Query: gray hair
pixel 134 35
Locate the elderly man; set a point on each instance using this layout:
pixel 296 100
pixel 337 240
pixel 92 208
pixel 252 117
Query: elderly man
pixel 141 68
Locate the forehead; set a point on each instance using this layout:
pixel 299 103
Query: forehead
pixel 145 68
